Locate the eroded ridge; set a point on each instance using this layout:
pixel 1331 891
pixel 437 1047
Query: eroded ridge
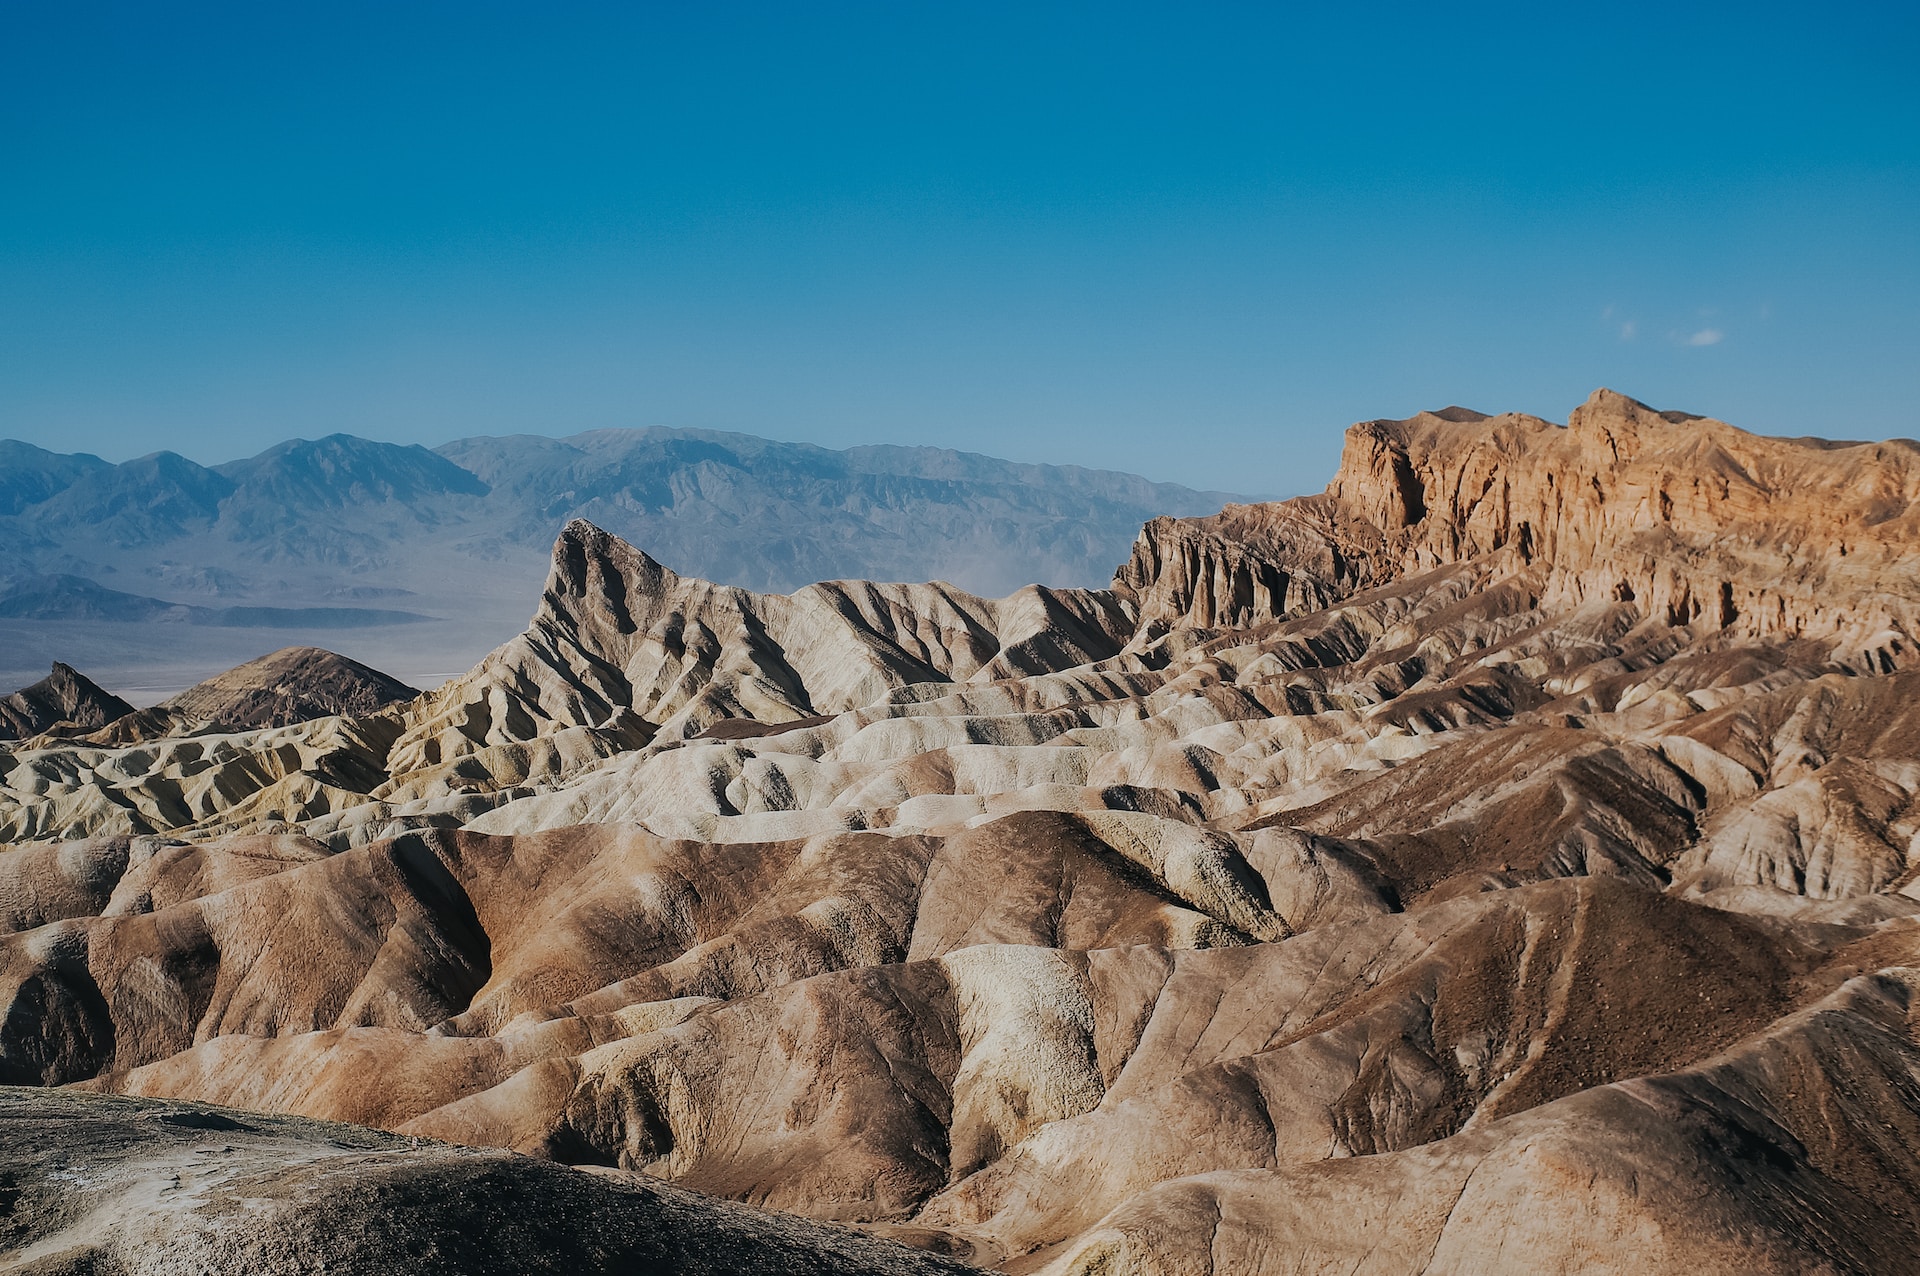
pixel 1503 861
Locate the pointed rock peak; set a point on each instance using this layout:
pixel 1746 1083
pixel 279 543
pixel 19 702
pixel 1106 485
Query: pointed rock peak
pixel 73 689
pixel 1622 423
pixel 1610 405
pixel 582 544
pixel 597 575
pixel 67 678
pixel 1459 415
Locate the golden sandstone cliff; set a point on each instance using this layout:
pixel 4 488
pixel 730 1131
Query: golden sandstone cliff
pixel 1694 521
pixel 1504 861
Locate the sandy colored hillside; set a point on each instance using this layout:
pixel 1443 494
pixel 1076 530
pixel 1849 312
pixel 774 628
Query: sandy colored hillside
pixel 1506 861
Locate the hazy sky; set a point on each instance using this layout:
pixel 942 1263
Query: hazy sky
pixel 1188 240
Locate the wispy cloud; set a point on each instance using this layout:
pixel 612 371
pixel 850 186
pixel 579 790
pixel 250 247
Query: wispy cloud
pixel 1629 330
pixel 1707 337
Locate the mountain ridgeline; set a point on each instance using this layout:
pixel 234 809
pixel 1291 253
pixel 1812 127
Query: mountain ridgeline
pixel 337 541
pixel 1506 860
pixel 729 507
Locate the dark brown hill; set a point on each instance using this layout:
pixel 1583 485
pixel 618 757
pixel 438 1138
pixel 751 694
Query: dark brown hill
pixel 64 696
pixel 296 684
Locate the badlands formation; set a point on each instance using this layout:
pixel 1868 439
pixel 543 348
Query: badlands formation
pixel 1503 862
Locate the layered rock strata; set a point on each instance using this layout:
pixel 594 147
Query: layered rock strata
pixel 1693 522
pixel 1505 861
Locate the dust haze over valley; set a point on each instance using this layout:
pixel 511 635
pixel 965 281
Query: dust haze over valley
pixel 158 572
pixel 1506 860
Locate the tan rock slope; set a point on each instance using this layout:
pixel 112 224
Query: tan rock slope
pixel 1503 862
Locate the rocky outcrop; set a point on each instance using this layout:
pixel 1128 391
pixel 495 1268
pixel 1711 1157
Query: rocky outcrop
pixel 1690 521
pixel 1409 877
pixel 65 698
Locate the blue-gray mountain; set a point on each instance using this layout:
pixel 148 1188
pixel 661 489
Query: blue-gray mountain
pixel 315 538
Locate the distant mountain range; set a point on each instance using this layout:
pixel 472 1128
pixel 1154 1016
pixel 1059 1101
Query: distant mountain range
pixel 61 597
pixel 130 565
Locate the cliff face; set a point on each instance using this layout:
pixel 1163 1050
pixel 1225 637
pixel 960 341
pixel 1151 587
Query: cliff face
pixel 1247 564
pixel 1689 520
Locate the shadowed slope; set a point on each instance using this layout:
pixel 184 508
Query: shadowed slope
pixel 166 1188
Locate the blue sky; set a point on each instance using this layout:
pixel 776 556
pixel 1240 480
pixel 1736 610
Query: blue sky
pixel 1192 241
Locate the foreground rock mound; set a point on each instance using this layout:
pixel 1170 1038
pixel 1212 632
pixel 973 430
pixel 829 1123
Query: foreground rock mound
pixel 1505 861
pixel 132 1189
